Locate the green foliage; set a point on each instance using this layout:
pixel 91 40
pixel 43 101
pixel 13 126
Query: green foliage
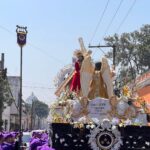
pixel 28 108
pixel 132 53
pixel 41 109
pixel 5 97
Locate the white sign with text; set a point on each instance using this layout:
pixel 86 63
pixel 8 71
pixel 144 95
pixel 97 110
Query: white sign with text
pixel 98 108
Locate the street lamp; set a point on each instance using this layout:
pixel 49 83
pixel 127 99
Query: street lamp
pixel 21 40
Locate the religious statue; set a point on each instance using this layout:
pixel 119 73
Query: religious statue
pixel 97 87
pixel 75 83
pixel 77 109
pixel 86 72
pixel 107 77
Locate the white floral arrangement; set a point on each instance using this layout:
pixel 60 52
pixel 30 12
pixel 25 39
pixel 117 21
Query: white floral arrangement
pixel 61 76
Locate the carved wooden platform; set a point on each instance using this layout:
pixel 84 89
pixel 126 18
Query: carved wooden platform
pixel 66 137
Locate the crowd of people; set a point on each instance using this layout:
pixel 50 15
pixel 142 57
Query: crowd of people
pixel 38 141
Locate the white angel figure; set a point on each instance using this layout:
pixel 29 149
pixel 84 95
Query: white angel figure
pixel 86 73
pixel 106 75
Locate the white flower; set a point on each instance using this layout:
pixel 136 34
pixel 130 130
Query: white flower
pixel 128 122
pixel 88 126
pixel 92 126
pixel 115 121
pixel 68 116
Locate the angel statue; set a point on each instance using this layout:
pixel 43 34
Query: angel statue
pixel 97 86
pixel 86 72
pixel 107 77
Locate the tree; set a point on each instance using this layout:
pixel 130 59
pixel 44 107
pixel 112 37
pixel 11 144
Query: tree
pixel 5 98
pixel 41 110
pixel 132 53
pixel 28 107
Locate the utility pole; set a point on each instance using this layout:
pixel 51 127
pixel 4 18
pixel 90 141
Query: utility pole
pixel 32 115
pixel 105 46
pixel 21 40
pixel 2 61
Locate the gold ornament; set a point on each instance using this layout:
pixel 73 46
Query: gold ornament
pixel 126 91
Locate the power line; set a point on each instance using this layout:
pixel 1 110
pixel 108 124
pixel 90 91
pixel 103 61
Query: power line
pixel 99 46
pixel 34 87
pixel 128 12
pixel 125 17
pixel 35 83
pixel 112 19
pixel 105 54
pixel 100 20
pixel 8 85
pixel 101 51
pixel 38 87
pixel 7 30
pixel 46 54
pixel 35 47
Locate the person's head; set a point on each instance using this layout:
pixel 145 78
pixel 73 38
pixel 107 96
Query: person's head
pixel 80 58
pixel 9 138
pixel 84 101
pixel 117 92
pixel 79 55
pixel 98 66
pixel 1 138
pixel 113 101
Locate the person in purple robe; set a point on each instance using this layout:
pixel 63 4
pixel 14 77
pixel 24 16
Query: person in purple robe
pixel 1 140
pixel 35 143
pixel 46 147
pixel 7 144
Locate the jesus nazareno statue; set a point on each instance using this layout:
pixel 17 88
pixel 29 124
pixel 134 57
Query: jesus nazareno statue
pixel 75 83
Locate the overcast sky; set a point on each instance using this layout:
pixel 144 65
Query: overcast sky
pixel 53 31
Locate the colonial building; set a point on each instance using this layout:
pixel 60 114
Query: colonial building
pixel 10 114
pixel 143 89
pixel 143 86
pixel 14 84
pixel 6 110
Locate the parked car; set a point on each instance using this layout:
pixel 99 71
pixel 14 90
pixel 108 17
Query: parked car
pixel 26 140
pixel 37 131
